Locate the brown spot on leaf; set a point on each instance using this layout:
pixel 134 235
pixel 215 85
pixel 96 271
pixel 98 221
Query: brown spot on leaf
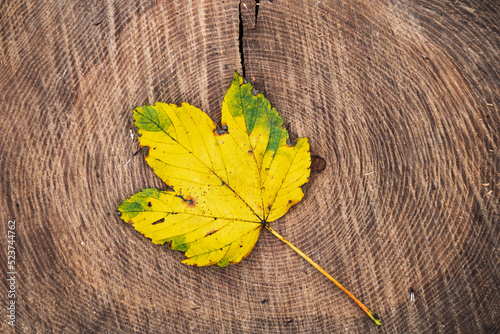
pixel 158 221
pixel 210 233
pixel 146 151
pixel 220 131
pixel 189 200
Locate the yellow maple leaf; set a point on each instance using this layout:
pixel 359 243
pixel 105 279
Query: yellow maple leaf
pixel 225 184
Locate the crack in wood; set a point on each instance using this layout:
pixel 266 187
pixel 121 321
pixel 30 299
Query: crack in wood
pixel 240 39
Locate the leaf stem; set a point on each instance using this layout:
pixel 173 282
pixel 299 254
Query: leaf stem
pixel 375 317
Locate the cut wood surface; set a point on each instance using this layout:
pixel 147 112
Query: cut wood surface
pixel 400 102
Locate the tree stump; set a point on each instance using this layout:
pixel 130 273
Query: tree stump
pixel 400 102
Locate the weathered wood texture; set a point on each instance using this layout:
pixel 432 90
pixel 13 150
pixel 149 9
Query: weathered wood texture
pixel 400 98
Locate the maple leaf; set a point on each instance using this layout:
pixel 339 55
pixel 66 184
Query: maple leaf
pixel 224 184
pixel 227 184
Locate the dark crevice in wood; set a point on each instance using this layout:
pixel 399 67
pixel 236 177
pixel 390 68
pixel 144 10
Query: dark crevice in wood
pixel 242 56
pixel 257 5
pixel 318 163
